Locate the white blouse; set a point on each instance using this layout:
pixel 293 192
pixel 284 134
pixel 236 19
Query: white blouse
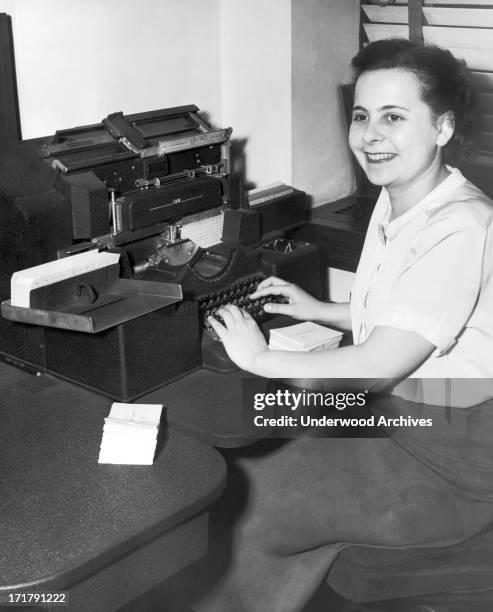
pixel 430 271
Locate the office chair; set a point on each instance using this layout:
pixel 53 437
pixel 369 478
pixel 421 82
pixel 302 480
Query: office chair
pixel 451 579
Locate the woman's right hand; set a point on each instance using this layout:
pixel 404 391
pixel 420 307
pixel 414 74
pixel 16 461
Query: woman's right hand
pixel 301 305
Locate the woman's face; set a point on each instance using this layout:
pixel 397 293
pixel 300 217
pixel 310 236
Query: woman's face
pixel 393 133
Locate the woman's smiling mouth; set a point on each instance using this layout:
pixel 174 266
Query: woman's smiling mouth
pixel 376 158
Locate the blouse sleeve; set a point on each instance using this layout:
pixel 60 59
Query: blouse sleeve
pixel 435 294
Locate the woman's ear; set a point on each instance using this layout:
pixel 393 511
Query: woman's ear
pixel 446 127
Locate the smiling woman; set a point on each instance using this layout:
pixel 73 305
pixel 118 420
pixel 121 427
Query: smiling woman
pixel 421 116
pixel 398 144
pixel 422 287
pixel 420 307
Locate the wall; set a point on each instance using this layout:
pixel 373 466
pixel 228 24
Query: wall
pixel 78 61
pixel 282 64
pixel 7 6
pixel 256 90
pixel 325 37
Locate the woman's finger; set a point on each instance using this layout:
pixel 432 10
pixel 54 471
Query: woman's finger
pixel 270 282
pixel 278 308
pixel 246 315
pixel 217 327
pixel 230 313
pixel 284 289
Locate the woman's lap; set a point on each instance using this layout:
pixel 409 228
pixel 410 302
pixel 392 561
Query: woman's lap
pixel 315 496
pixel 318 491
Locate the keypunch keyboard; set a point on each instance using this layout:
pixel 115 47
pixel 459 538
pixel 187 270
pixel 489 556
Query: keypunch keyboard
pixel 237 293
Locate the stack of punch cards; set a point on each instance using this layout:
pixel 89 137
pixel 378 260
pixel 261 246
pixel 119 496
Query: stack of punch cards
pixel 130 434
pixel 306 336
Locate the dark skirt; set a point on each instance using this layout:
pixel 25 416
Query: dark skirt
pixel 415 487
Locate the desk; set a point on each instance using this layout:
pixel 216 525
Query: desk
pixel 209 406
pixel 105 533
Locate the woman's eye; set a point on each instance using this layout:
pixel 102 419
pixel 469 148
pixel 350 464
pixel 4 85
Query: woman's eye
pixel 393 118
pixel 359 117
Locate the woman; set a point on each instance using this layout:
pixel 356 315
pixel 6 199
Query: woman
pixel 420 306
pixel 424 247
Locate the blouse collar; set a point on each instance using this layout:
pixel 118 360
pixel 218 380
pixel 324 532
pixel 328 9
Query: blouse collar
pixel 432 200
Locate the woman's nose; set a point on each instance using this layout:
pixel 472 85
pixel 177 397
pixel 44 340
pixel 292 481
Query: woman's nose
pixel 372 132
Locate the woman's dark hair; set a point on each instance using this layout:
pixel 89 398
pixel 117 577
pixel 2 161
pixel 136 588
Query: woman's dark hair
pixel 445 83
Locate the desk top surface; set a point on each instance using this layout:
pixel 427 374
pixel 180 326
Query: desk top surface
pixel 210 406
pixel 62 514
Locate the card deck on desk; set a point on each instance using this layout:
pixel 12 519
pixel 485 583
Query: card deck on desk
pixel 306 336
pixel 130 434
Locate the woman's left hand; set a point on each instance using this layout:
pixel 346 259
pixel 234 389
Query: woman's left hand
pixel 240 335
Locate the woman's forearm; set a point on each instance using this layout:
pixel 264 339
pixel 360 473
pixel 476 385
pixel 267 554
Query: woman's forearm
pixel 336 363
pixel 246 346
pixel 368 360
pixel 336 314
